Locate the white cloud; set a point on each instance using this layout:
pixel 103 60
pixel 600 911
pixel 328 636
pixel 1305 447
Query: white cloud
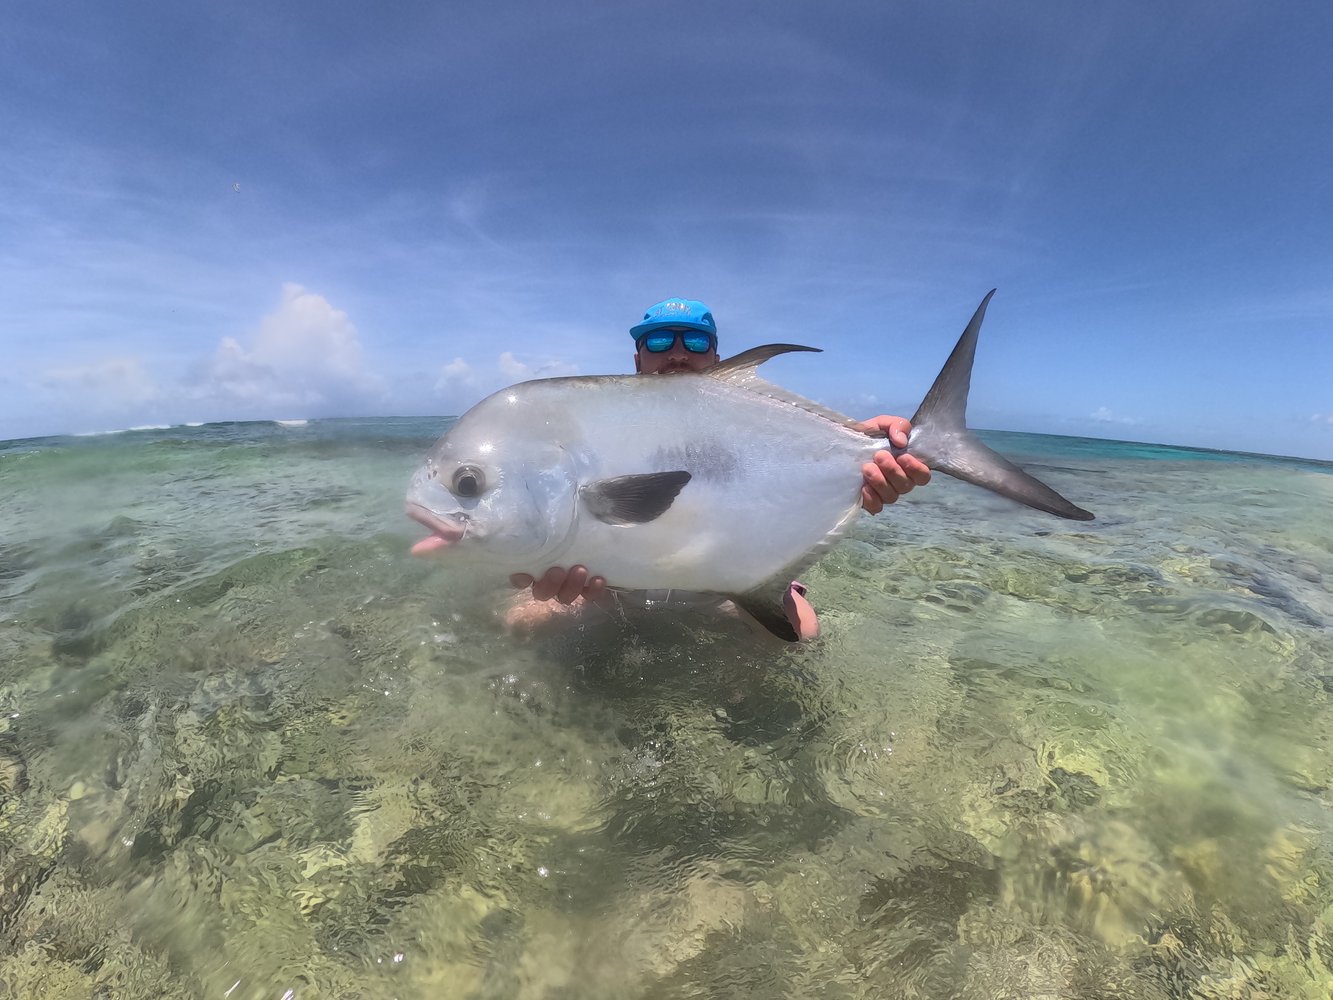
pixel 460 384
pixel 456 375
pixel 1322 418
pixel 306 331
pixel 513 368
pixel 112 382
pixel 303 359
pixel 1104 415
pixel 518 371
pixel 305 355
pixel 100 395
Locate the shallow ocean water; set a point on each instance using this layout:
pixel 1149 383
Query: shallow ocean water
pixel 249 748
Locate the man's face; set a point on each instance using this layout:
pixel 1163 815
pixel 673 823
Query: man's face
pixel 677 359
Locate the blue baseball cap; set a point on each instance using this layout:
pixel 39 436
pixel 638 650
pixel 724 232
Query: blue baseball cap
pixel 678 314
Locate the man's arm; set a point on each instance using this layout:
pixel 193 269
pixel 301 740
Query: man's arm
pixel 885 479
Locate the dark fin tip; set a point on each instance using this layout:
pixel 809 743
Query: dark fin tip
pixel 768 614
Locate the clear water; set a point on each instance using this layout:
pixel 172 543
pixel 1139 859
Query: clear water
pixel 248 748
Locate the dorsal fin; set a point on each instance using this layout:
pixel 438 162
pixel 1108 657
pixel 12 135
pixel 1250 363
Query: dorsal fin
pixel 741 370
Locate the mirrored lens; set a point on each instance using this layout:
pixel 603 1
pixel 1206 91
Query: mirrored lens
pixel 695 341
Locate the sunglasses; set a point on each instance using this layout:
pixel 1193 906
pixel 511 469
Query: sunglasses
pixel 661 341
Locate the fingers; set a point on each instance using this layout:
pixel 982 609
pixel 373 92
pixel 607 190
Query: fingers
pixel 869 498
pixel 887 478
pixel 899 428
pixel 902 472
pixel 548 584
pixel 572 586
pixel 896 429
pixel 916 470
pixel 565 586
pixel 884 485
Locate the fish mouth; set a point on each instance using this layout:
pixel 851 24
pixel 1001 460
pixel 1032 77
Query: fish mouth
pixel 443 533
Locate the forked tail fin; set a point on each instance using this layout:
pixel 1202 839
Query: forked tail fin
pixel 940 437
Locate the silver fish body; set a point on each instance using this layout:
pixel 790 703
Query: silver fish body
pixel 714 482
pixel 769 482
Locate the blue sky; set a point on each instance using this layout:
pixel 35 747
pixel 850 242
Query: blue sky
pixel 315 209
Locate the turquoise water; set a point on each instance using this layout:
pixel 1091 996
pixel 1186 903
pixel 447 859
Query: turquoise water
pixel 248 748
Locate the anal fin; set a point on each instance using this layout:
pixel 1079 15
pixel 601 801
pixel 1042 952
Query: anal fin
pixel 769 614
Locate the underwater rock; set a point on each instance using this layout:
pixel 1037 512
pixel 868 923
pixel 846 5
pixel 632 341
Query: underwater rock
pixel 664 930
pixel 1010 957
pixel 13 769
pixel 386 814
pixel 122 526
pixel 956 596
pixel 647 943
pixel 1076 773
pixel 1096 874
pixel 85 948
pixel 17 559
pixel 1269 589
pixel 79 629
pixel 1289 856
pixel 935 892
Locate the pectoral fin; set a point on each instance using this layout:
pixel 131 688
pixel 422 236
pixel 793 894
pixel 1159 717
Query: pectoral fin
pixel 633 499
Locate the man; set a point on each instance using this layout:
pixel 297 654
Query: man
pixel 679 335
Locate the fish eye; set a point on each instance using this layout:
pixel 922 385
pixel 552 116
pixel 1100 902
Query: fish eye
pixel 468 481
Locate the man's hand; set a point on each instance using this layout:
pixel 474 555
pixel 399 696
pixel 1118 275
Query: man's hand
pixel 886 477
pixel 565 586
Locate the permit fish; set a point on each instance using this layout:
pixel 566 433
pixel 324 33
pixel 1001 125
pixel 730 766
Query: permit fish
pixel 715 482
